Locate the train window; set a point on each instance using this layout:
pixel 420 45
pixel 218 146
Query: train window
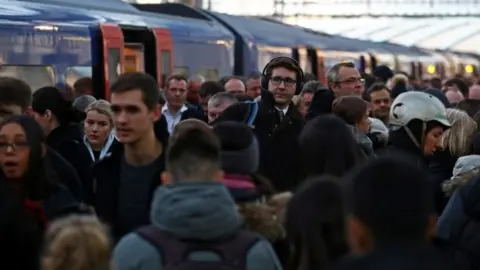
pixel 134 58
pixel 210 74
pixel 166 57
pixel 72 74
pixel 113 64
pixel 35 76
pixel 181 70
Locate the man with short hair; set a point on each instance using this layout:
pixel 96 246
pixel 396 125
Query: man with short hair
pixel 277 123
pixel 253 85
pixel 209 89
pixel 176 109
pixel 193 205
pixel 218 103
pixel 235 86
pixel 83 86
pixel 380 101
pixel 343 80
pixel 391 218
pixel 306 96
pixel 15 97
pixel 305 101
pixel 124 182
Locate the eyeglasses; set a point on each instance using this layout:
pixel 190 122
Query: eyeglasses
pixel 352 81
pixel 287 81
pixel 22 145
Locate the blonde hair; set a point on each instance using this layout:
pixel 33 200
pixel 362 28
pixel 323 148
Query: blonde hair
pixel 101 106
pixel 457 140
pixel 77 243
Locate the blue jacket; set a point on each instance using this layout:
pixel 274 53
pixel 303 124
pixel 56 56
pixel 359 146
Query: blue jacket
pixel 201 211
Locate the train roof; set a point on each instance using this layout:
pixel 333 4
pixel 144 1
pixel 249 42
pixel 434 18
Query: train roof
pixel 47 12
pixel 188 27
pixel 111 5
pixel 269 33
pixel 23 12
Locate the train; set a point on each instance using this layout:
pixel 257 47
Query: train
pixel 51 42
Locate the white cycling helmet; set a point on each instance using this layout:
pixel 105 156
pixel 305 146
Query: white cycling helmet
pixel 417 105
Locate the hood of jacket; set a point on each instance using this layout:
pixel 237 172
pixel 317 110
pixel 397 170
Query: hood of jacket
pixel 465 169
pixel 61 134
pixel 362 140
pixel 262 219
pixel 202 211
pixel 400 143
pixel 321 103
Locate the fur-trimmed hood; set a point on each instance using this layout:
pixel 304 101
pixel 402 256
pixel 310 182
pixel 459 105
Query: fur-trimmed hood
pixel 262 218
pixel 465 169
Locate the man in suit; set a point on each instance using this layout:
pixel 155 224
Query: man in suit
pixel 176 108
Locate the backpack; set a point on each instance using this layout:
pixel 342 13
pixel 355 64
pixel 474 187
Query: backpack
pixel 175 252
pixel 252 112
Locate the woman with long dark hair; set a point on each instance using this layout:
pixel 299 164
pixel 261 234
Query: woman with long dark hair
pixel 60 122
pixel 25 168
pixel 58 118
pixel 315 225
pixel 328 147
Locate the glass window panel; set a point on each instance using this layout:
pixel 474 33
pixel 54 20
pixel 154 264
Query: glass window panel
pixel 35 76
pixel 113 64
pixel 72 74
pixel 181 70
pixel 210 74
pixel 166 59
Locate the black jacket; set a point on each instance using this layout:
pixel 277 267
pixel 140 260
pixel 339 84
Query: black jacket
pixel 440 169
pixel 66 140
pixel 161 124
pixel 105 183
pixel 279 145
pixel 66 173
pixel 401 257
pixel 60 203
pixel 400 145
pixel 459 225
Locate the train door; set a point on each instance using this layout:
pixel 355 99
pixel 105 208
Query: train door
pixel 164 52
pixel 110 61
pixel 139 50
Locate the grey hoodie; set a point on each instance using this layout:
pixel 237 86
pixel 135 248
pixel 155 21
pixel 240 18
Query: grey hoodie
pixel 201 211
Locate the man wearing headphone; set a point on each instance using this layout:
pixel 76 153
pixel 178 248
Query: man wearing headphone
pixel 277 124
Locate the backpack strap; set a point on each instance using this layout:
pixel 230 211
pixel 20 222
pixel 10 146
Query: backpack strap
pixel 174 251
pixel 235 250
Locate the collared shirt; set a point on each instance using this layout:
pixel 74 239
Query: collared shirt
pixel 173 119
pixel 284 110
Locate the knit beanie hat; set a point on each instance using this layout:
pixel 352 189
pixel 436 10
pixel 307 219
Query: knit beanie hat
pixel 438 94
pixel 383 72
pixel 240 153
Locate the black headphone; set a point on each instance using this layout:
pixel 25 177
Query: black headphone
pixel 298 70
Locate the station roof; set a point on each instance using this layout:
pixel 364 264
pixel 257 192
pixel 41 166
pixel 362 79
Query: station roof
pixel 449 33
